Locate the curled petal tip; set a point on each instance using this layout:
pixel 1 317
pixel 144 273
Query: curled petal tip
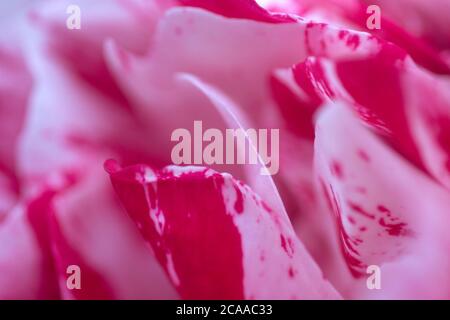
pixel 112 166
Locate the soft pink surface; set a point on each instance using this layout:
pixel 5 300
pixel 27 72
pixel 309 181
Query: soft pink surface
pixel 364 123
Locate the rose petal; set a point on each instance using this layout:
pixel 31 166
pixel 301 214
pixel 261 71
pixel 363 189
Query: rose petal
pixel 400 24
pixel 91 231
pixel 15 87
pixel 411 124
pixel 215 237
pixel 429 119
pixel 242 9
pixel 26 263
pixel 130 22
pixel 83 123
pixel 420 51
pixel 153 82
pixel 370 190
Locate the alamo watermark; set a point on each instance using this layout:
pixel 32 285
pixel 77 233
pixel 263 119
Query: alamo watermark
pixel 236 146
pixel 73 21
pixel 374 20
pixel 374 279
pixel 74 277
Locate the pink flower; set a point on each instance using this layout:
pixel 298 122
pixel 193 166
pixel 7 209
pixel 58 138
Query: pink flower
pixel 364 172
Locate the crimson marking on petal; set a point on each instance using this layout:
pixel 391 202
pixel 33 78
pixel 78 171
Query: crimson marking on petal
pixel 383 209
pixel 355 266
pixel 352 40
pixel 336 169
pixel 266 206
pixel 305 75
pixel 395 229
pixel 358 209
pixel 291 272
pixel 351 220
pixel 361 190
pixel 262 257
pixel 363 155
pixel 310 76
pixel 287 245
pixel 239 204
pixel 309 25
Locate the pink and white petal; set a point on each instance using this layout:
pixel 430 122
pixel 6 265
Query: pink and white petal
pixel 190 40
pixel 26 262
pixel 19 260
pixel 215 237
pixel 194 41
pixel 15 89
pixel 298 99
pixel 9 192
pixel 412 124
pixel 369 188
pixel 311 220
pixel 74 125
pixel 297 181
pixel 83 123
pixel 296 171
pixel 296 175
pixel 90 230
pixel 129 22
pixel 429 119
pixel 184 43
pixel 380 101
pixel 377 88
pixel 258 175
